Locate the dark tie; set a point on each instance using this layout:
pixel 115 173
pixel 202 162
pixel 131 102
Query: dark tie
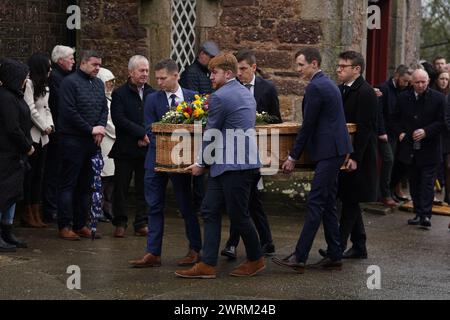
pixel 248 85
pixel 345 90
pixel 173 102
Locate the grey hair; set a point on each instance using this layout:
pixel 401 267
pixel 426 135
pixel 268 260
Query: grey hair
pixel 60 52
pixel 132 64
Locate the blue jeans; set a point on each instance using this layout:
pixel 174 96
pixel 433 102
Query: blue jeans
pixel 7 217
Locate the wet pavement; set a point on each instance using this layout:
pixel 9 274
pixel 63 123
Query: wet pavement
pixel 414 264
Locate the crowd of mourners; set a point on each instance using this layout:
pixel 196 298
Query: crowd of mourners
pixel 56 117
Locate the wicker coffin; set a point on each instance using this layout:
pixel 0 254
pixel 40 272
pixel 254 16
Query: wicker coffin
pixel 169 159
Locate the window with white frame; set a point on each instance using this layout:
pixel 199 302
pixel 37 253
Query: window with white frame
pixel 183 32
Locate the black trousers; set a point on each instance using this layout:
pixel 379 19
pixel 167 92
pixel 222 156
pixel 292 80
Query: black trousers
pixel 33 177
pixel 352 224
pixel 52 169
pixel 259 218
pixel 421 184
pixel 123 172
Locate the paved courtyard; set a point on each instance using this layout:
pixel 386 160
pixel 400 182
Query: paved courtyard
pixel 414 264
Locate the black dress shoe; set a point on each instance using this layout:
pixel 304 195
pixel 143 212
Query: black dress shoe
pixel 290 262
pixel 415 221
pixel 323 253
pixel 229 252
pixel 425 222
pixel 328 264
pixel 268 249
pixel 354 254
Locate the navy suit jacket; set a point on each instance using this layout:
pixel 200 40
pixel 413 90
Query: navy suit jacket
pixel 156 105
pixel 233 107
pixel 324 131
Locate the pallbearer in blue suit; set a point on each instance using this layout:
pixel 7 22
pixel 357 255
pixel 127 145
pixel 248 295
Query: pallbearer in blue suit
pixel 156 105
pixel 325 136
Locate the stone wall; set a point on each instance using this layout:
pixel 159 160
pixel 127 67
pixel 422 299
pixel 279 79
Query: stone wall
pixel 28 26
pixel 112 27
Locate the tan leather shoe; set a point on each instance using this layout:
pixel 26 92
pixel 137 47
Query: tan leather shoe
pixel 85 232
pixel 119 232
pixel 190 259
pixel 142 232
pixel 149 260
pixel 67 234
pixel 199 270
pixel 249 268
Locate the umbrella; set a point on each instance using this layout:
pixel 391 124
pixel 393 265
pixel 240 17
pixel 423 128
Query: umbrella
pixel 97 196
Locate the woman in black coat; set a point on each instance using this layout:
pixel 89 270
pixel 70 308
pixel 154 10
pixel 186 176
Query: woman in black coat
pixel 15 145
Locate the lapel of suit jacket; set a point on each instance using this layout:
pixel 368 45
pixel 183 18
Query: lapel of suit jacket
pixel 257 90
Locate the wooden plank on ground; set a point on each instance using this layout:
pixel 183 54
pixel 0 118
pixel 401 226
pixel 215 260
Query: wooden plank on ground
pixel 442 209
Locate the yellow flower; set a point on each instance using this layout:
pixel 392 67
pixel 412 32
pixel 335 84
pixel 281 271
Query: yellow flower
pixel 179 108
pixel 186 115
pixel 197 97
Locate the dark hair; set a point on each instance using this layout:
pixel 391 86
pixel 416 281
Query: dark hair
pixel 168 64
pixel 435 86
pixel 247 55
pixel 39 64
pixel 402 70
pixel 87 54
pixel 438 58
pixel 310 55
pixel 355 57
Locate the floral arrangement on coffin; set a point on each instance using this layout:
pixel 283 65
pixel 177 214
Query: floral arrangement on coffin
pixel 188 112
pixel 197 110
pixel 265 118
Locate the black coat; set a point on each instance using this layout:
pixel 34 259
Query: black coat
pixel 15 126
pixel 56 77
pixel 196 78
pixel 361 107
pixel 266 97
pixel 127 113
pixel 426 113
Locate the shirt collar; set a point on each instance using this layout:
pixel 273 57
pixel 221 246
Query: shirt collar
pixel 349 83
pixel 178 93
pixel 253 81
pixel 231 80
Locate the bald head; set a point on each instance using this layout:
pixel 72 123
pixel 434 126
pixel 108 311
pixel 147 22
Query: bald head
pixel 420 80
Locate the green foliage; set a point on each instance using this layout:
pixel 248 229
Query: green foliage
pixel 435 29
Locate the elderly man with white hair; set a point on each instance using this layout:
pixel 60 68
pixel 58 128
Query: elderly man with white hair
pixel 130 147
pixel 62 64
pixel 420 120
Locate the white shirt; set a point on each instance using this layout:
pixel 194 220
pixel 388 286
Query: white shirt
pixel 349 83
pixel 252 88
pixel 179 96
pixel 141 92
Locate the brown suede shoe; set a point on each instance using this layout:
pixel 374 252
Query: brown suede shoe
pixel 249 268
pixel 199 270
pixel 119 232
pixel 36 210
pixel 67 234
pixel 85 232
pixel 28 219
pixel 149 260
pixel 388 202
pixel 190 259
pixel 142 232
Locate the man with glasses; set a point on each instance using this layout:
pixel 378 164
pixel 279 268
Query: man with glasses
pixel 358 182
